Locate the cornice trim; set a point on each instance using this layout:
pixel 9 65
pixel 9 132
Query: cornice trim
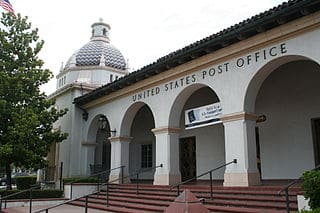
pixel 120 138
pixel 166 129
pixel 238 116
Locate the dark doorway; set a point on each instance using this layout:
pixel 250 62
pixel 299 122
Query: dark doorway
pixel 258 150
pixel 316 139
pixel 188 167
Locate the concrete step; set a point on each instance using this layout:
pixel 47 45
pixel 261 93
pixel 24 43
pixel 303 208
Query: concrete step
pixel 123 198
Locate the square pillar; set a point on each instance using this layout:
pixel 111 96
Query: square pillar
pixel 240 144
pixel 167 153
pixel 119 157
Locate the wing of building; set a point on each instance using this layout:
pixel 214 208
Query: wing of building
pixel 249 92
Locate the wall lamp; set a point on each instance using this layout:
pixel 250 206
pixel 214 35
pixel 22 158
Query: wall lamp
pixel 103 125
pixel 261 118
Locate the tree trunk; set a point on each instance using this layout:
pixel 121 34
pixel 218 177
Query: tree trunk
pixel 9 180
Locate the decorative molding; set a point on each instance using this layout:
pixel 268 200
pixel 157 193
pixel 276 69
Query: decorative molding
pixel 166 129
pixel 75 85
pixel 120 138
pixel 94 68
pixel 238 116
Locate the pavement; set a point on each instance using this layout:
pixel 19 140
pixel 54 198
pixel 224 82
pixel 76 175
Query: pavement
pixel 60 209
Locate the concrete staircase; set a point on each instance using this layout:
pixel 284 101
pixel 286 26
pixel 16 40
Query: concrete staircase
pixel 123 198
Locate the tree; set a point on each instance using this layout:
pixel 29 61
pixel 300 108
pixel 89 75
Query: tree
pixel 26 114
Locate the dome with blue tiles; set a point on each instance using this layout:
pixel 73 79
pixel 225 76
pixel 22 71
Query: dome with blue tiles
pixel 99 51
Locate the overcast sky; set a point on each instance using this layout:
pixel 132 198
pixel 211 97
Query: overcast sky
pixel 143 30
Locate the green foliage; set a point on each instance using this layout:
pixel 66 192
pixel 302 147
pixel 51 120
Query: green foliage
pixel 26 115
pixel 48 193
pixel 81 180
pixel 311 187
pixel 311 211
pixel 25 182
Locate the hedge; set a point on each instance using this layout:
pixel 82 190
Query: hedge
pixel 25 182
pixel 81 180
pixel 311 211
pixel 36 194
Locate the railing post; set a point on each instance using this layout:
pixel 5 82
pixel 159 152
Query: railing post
pixel 211 191
pixel 30 197
pixel 99 181
pixel 5 200
pixel 137 183
pixel 86 207
pixel 287 200
pixel 122 181
pixel 178 190
pixel 107 194
pixel 61 170
pixel 71 191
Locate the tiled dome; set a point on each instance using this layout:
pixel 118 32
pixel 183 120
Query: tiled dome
pixel 98 52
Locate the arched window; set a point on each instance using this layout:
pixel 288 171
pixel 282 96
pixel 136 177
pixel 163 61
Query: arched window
pixel 104 31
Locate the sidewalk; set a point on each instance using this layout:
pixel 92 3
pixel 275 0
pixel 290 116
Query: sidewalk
pixel 63 208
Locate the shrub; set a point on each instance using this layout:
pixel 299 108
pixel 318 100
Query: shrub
pixel 25 182
pixel 81 180
pixel 311 211
pixel 50 193
pixel 311 187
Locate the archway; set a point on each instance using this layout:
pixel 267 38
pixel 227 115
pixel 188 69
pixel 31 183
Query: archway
pixel 98 134
pixel 136 125
pixel 142 148
pixel 201 143
pixel 287 94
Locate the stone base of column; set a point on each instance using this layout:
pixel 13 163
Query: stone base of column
pixel 166 179
pixel 116 179
pixel 241 179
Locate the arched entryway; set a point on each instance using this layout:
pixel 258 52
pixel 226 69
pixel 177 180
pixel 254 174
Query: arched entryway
pixel 288 95
pixel 99 134
pixel 142 146
pixel 201 136
pixel 135 146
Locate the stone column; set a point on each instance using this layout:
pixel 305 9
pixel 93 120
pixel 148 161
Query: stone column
pixel 167 153
pixel 240 144
pixel 119 157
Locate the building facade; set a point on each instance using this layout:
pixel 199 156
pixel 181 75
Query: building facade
pixel 260 77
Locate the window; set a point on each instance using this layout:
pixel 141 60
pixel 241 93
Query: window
pixel 104 31
pixel 111 78
pixel 146 155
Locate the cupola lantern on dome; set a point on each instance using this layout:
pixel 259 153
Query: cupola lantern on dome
pixel 100 31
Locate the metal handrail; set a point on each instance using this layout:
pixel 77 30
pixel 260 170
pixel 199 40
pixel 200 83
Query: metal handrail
pixel 203 174
pixel 93 175
pixel 136 174
pixel 107 195
pixel 286 189
pixel 17 193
